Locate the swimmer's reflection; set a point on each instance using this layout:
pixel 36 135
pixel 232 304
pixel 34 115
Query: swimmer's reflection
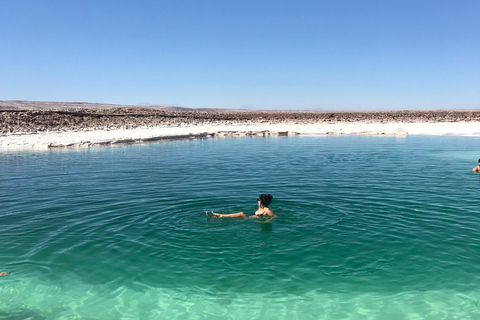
pixel 266 226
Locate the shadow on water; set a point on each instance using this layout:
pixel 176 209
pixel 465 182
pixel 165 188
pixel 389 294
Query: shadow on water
pixel 29 314
pixel 21 315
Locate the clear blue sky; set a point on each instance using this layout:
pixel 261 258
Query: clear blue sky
pixel 321 55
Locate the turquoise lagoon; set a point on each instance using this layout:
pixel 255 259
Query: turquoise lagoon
pixel 369 227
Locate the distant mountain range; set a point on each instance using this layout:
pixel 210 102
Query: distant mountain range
pixel 45 105
pixel 13 105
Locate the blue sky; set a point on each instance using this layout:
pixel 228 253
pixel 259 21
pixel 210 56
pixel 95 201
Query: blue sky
pixel 316 55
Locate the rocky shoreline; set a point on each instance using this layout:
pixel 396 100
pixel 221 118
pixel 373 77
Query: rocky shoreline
pixel 20 117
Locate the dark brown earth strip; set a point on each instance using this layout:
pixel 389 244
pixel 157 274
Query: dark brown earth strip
pixel 16 117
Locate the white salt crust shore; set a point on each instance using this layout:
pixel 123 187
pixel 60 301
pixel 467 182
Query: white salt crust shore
pixel 85 139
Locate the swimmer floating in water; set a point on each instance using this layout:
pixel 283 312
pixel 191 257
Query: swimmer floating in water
pixel 263 210
pixel 477 168
pixel 3 274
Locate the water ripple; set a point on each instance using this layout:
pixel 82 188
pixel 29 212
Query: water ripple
pixel 361 219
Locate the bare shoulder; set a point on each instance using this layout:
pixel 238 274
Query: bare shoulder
pixel 270 213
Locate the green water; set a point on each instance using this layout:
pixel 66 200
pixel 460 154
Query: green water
pixel 369 228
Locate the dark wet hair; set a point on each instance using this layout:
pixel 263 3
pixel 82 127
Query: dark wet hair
pixel 478 160
pixel 265 199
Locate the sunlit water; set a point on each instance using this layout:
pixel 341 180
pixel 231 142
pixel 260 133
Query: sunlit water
pixel 369 228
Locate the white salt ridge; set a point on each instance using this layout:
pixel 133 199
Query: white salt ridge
pixel 84 139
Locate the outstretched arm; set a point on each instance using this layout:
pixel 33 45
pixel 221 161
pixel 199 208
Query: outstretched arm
pixel 231 215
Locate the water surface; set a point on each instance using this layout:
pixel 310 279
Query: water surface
pixel 369 227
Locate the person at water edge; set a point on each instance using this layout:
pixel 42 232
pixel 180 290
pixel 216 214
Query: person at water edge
pixel 3 274
pixel 263 210
pixel 477 168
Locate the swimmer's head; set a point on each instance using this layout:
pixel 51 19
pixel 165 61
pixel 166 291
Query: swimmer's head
pixel 265 199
